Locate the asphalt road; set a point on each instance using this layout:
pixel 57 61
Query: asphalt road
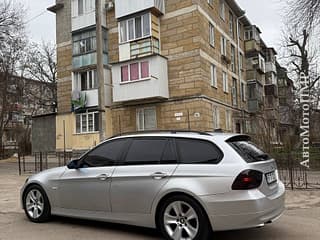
pixel 301 220
pixel 294 225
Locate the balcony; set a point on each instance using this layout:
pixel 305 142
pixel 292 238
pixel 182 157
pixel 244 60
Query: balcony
pixel 252 46
pixel 85 16
pixel 151 82
pixel 125 7
pixel 254 105
pixel 271 90
pixel 138 49
pixel 87 60
pixel 271 67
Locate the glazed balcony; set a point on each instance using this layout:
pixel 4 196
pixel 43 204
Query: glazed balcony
pixel 146 78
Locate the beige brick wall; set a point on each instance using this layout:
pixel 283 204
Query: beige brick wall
pixel 64 88
pixel 200 118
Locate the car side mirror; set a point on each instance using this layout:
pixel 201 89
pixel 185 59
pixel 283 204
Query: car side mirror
pixel 73 164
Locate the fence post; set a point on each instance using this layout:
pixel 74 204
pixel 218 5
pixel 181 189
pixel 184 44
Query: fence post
pixel 24 163
pixel 19 160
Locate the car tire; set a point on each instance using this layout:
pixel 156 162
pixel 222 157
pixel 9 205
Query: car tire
pixel 181 217
pixel 36 204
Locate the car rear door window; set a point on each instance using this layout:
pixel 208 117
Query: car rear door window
pixel 192 151
pixel 106 154
pixel 249 151
pixel 145 151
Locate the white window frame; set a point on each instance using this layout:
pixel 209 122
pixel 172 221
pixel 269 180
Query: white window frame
pixel 225 82
pixel 213 77
pixel 241 61
pixel 216 117
pixel 78 82
pixel 87 6
pixel 233 58
pixel 86 115
pixel 243 87
pixel 134 28
pixel 143 128
pixel 223 46
pixel 222 9
pixel 211 34
pixel 129 76
pixel 231 24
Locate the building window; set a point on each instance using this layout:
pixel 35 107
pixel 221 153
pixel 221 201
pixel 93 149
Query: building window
pixel 241 61
pixel 223 46
pixel 146 119
pixel 231 24
pixel 233 58
pixel 87 122
pixel 85 42
pixel 87 80
pixel 240 30
pixel 222 9
pixel 135 28
pixel 252 91
pixel 216 117
pixel 213 75
pixel 81 7
pixel 135 71
pixel 228 120
pixel 248 34
pixel 225 82
pixel 234 92
pixel 243 91
pixel 211 34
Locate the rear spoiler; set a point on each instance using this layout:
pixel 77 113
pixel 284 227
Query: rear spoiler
pixel 238 138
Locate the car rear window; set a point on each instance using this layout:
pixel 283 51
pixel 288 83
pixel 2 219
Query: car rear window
pixel 248 150
pixel 194 151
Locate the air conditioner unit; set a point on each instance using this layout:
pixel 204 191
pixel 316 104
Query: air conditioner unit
pixel 109 5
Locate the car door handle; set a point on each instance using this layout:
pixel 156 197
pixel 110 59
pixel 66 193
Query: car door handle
pixel 158 175
pixel 103 177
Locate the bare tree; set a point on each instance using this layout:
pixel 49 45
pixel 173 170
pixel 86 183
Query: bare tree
pixel 40 65
pixel 304 13
pixel 12 46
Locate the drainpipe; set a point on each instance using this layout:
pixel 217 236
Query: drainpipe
pixel 239 70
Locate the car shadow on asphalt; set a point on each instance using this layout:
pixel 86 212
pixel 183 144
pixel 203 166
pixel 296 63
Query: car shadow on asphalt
pixel 141 232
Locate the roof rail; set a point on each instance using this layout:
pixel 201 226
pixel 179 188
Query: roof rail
pixel 162 131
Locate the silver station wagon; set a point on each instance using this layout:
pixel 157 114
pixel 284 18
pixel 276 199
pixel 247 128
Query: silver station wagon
pixel 186 184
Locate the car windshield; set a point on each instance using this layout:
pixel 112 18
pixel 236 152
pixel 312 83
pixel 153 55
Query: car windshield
pixel 249 151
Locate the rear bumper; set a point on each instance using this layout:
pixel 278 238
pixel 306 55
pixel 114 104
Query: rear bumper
pixel 244 209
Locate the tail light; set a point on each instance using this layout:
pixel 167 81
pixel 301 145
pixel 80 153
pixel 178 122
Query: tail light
pixel 248 179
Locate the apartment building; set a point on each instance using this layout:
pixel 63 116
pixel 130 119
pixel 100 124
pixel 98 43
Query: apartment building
pixel 24 99
pixel 262 85
pixel 167 65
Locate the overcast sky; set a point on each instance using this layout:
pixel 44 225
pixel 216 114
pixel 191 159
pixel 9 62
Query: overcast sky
pixel 264 13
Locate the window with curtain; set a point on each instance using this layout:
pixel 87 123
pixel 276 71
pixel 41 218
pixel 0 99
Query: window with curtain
pixel 135 71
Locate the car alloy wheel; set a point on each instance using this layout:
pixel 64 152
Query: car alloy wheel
pixel 181 221
pixel 36 204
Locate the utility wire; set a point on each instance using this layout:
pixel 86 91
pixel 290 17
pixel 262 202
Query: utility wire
pixel 35 17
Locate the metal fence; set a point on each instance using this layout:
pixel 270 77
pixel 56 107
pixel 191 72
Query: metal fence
pixel 293 175
pixel 40 161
